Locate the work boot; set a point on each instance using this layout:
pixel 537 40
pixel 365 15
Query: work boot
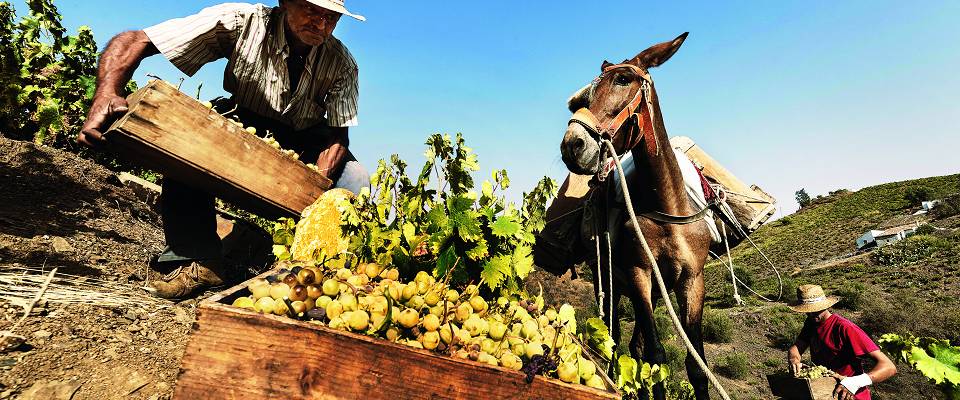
pixel 188 279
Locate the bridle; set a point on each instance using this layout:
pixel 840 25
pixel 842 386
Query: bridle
pixel 644 123
pixel 631 112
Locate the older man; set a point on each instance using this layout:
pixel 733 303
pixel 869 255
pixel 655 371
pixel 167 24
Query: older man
pixel 838 344
pixel 286 72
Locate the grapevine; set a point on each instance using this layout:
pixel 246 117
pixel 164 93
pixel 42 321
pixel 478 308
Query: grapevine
pixel 936 359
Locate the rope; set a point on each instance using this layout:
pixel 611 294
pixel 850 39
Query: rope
pixel 656 272
pixel 600 294
pixel 733 276
pixel 609 279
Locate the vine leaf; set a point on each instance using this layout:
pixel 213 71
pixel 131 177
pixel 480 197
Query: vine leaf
pixel 495 271
pixel 522 261
pixel 505 226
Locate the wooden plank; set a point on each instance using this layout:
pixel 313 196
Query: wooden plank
pixel 236 354
pixel 171 132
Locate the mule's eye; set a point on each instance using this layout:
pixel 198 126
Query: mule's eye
pixel 621 80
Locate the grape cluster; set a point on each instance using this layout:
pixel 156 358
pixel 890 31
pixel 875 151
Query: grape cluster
pixel 813 372
pixel 425 313
pixel 268 139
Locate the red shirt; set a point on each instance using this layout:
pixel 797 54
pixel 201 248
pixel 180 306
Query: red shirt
pixel 837 344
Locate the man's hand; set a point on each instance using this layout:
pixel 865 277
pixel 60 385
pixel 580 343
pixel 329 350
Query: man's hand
pixel 842 393
pixel 106 108
pixel 849 385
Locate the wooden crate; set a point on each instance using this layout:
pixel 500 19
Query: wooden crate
pixel 787 387
pixel 168 131
pixel 240 354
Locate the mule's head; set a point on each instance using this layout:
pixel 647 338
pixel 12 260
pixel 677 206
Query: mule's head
pixel 606 97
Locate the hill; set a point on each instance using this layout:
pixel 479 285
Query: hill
pixel 911 286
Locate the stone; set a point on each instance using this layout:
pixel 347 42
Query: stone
pixel 42 334
pixel 50 390
pixel 60 245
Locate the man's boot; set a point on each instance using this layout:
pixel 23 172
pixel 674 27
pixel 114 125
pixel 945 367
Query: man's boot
pixel 189 279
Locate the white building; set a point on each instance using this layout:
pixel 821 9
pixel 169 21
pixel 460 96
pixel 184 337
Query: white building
pixel 884 237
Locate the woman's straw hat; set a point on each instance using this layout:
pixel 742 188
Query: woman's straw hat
pixel 336 5
pixel 811 298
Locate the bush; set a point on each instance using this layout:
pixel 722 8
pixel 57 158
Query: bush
pixel 733 365
pixel 716 326
pixel 911 250
pixel 676 356
pixel 851 296
pixel 785 325
pixel 906 314
pixel 917 194
pixel 925 229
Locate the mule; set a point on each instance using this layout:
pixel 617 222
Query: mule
pixel 621 106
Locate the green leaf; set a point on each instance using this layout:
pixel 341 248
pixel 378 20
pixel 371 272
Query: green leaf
pixel 505 226
pixel 934 368
pixel 597 336
pixel 281 252
pixel 522 261
pixel 568 316
pixel 495 271
pixel 627 374
pixel 445 262
pixel 479 251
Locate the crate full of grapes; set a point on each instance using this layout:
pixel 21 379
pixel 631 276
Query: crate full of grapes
pixel 811 383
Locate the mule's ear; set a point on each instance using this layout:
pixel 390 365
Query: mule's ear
pixel 658 54
pixel 605 65
pixel 580 99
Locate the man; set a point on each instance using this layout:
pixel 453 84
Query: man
pixel 286 72
pixel 838 344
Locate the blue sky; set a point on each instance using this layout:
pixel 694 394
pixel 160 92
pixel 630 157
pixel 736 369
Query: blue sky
pixel 787 95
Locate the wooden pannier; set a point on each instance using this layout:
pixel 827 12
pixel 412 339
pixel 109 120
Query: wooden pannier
pixel 170 132
pixel 236 353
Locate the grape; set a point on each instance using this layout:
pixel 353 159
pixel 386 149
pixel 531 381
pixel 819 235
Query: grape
pixel 359 320
pixel 279 291
pixel 334 309
pixel 596 382
pixel 497 330
pixel 533 349
pixel 314 292
pixel 349 301
pixel 260 290
pixel 318 314
pixel 511 361
pixel 290 280
pixel 306 277
pixel 431 298
pixel 372 270
pixel 244 302
pixel 207 104
pixel 408 318
pixel 408 291
pixel 567 372
pixel 431 323
pixel 298 307
pixel 430 340
pixel 331 287
pixel 298 293
pixel 452 295
pixel 587 370
pixel 478 303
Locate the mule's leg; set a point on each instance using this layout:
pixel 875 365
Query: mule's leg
pixel 690 300
pixel 645 330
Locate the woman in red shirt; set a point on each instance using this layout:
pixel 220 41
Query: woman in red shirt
pixel 838 344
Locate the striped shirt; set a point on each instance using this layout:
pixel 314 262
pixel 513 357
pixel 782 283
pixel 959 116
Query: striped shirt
pixel 253 39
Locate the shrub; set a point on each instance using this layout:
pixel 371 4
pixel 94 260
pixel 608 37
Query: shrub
pixel 917 194
pixel 906 314
pixel 676 355
pixel 716 326
pixel 785 325
pixel 733 365
pixel 851 296
pixel 925 229
pixel 664 324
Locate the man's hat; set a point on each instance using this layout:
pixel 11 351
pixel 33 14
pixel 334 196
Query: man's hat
pixel 811 298
pixel 336 5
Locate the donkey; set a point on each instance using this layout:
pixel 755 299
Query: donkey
pixel 621 106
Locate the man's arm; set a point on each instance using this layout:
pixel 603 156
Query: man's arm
pixel 880 372
pixel 793 355
pixel 117 64
pixel 332 160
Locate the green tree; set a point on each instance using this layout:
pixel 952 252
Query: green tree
pixel 803 198
pixel 917 194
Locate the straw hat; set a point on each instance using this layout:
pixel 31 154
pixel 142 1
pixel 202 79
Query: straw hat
pixel 811 298
pixel 336 5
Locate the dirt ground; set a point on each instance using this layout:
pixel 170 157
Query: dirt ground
pixel 59 210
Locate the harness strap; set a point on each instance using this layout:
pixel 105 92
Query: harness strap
pixel 675 219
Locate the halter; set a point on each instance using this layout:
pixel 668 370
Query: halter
pixel 585 118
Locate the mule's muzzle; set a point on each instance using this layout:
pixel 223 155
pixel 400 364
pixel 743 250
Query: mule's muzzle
pixel 580 151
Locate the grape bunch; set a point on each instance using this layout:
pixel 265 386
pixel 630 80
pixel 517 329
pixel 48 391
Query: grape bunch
pixel 268 138
pixel 813 372
pixel 519 334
